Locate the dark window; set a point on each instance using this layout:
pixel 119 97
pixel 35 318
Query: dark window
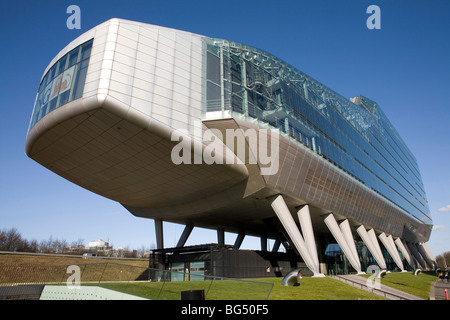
pixel 213 73
pixel 86 50
pixel 61 65
pixel 73 57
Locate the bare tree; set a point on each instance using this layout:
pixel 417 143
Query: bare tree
pixel 443 260
pixel 78 247
pixel 2 239
pixel 447 258
pixel 44 246
pixel 10 240
pixel 34 246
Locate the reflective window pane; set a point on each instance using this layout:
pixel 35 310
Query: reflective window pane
pixel 63 83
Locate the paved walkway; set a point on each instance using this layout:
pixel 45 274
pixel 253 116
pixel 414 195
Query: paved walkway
pixel 438 290
pixel 376 287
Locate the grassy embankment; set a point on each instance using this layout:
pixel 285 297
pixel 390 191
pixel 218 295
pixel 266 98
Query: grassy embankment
pixel 23 268
pixel 419 285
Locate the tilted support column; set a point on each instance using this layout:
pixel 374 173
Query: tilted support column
pixel 185 235
pixel 424 254
pixel 395 252
pixel 430 254
pixel 392 250
pixel 347 232
pixel 372 246
pixel 405 252
pixel 373 237
pixel 237 243
pixel 304 217
pixel 337 233
pixel 416 254
pixel 282 211
pixel 276 246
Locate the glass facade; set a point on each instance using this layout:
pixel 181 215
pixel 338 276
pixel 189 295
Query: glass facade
pixel 188 271
pixel 354 135
pixel 337 263
pixel 63 82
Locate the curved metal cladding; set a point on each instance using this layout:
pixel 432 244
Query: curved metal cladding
pixel 110 129
pixel 141 83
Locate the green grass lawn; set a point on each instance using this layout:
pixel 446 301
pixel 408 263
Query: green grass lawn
pixel 309 289
pixel 29 269
pixel 214 289
pixel 318 289
pixel 406 281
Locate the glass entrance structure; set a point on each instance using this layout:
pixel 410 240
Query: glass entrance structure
pixel 124 109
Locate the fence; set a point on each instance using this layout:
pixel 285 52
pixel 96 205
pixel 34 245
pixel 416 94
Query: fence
pixel 122 281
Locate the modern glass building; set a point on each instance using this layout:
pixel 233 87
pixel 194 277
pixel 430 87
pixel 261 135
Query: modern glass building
pixel 124 110
pixel 353 135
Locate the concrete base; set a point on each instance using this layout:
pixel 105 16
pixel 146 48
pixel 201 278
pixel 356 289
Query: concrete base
pixel 318 275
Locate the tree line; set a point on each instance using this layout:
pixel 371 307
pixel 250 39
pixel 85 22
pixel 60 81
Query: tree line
pixel 443 260
pixel 12 240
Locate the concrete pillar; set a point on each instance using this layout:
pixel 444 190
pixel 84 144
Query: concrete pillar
pixel 184 236
pixel 371 246
pixel 304 217
pixel 263 244
pixel 430 254
pixel 377 247
pixel 405 252
pixel 282 211
pixel 347 232
pixel 221 237
pixel 392 250
pixel 332 225
pixel 425 256
pixel 395 252
pixel 416 254
pixel 159 234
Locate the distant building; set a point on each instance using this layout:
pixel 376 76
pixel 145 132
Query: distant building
pixel 104 248
pixel 124 253
pixel 100 246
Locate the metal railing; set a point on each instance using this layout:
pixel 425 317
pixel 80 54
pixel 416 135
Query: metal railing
pixel 377 291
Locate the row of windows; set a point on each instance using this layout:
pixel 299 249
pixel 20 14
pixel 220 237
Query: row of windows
pixel 355 137
pixel 63 82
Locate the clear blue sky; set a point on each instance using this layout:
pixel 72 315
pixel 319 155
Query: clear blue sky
pixel 404 66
